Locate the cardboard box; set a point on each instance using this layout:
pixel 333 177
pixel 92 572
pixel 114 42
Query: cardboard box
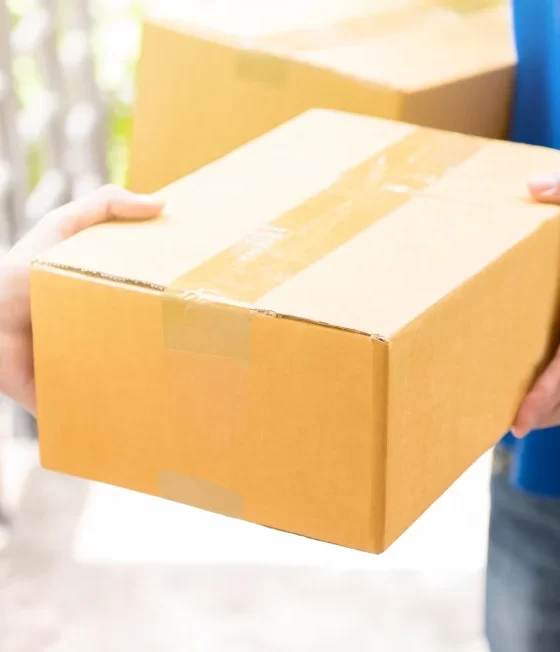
pixel 325 330
pixel 221 73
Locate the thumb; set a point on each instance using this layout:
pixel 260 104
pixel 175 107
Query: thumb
pixel 109 202
pixel 546 188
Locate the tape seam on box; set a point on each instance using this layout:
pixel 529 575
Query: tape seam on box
pixel 207 310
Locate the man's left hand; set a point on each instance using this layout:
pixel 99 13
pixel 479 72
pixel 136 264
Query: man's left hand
pixel 16 351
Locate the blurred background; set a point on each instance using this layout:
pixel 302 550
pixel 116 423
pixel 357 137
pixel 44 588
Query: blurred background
pixel 93 568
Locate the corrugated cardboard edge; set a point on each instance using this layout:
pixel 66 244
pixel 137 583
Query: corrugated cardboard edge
pixel 84 271
pixel 143 285
pixel 380 432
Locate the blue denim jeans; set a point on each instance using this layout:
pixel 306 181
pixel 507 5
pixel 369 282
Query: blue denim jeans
pixel 523 576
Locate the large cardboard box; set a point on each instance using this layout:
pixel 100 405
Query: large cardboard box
pixel 215 75
pixel 326 328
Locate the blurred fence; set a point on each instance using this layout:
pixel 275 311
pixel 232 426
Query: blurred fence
pixel 66 89
pixel 53 140
pixel 52 144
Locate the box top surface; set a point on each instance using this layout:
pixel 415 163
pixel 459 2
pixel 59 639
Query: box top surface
pixel 404 44
pixel 255 18
pixel 354 222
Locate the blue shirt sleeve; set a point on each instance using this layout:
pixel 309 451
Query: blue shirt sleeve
pixel 536 120
pixel 536 116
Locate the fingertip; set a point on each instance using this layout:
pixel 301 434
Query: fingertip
pixel 137 207
pixel 151 203
pixel 524 423
pixel 150 209
pixel 545 188
pixel 151 200
pixel 118 194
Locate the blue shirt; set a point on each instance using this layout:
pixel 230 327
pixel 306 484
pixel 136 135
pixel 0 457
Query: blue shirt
pixel 536 120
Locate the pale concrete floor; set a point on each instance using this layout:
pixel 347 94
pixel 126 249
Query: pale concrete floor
pixel 90 568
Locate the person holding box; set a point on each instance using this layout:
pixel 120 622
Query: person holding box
pixel 523 577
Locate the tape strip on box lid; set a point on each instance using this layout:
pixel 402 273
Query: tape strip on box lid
pixel 207 309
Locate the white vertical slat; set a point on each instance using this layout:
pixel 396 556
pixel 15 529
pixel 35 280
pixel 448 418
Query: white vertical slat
pixel 81 24
pixel 66 120
pixel 13 149
pixel 6 178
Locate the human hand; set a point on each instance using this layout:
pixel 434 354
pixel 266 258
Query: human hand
pixel 16 351
pixel 541 407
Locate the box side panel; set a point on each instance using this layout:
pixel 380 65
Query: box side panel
pixel 458 372
pixel 478 105
pixel 199 99
pixel 423 48
pixel 99 374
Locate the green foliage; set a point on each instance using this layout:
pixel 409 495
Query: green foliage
pixel 115 44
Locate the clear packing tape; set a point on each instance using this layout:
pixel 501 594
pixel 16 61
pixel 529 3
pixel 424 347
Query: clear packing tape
pixel 208 311
pixel 201 494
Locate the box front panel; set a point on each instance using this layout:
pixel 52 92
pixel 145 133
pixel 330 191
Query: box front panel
pixel 283 434
pixel 311 456
pixel 100 382
pixel 280 434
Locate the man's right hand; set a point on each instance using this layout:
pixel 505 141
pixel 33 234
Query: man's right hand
pixel 541 407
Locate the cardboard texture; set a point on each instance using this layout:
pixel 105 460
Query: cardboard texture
pixel 326 328
pixel 216 75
